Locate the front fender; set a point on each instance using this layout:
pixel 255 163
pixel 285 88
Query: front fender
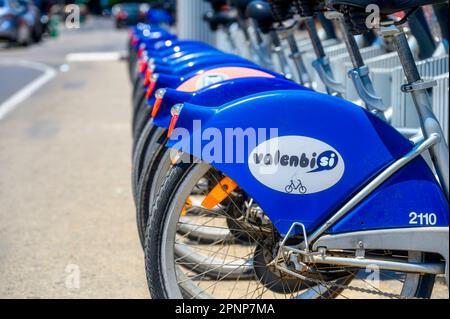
pixel 167 48
pixel 192 66
pixel 209 75
pixel 304 131
pixel 218 94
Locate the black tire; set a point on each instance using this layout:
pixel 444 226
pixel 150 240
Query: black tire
pixel 131 59
pixel 142 119
pixel 37 32
pixel 427 282
pixel 26 42
pixel 155 228
pixel 141 104
pixel 138 88
pixel 139 156
pixel 134 68
pixel 144 198
pixel 154 232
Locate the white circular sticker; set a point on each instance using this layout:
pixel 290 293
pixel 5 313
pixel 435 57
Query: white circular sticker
pixel 297 165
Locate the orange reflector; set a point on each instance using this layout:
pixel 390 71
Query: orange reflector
pixel 186 206
pixel 142 66
pixel 151 88
pixel 221 191
pixel 140 51
pixel 148 76
pixel 173 122
pixel 174 156
pixel 134 40
pixel 156 106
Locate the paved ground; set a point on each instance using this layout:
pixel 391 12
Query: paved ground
pixel 65 202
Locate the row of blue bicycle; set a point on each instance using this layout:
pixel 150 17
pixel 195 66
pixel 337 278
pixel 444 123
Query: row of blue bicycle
pixel 249 185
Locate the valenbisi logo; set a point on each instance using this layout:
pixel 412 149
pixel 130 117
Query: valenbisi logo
pixel 325 161
pixel 296 164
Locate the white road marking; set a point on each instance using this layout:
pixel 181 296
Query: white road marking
pixel 94 56
pixel 12 102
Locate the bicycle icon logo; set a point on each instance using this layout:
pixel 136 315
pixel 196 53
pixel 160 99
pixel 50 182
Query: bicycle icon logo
pixel 296 186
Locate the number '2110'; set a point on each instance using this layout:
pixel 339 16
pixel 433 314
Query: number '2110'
pixel 429 219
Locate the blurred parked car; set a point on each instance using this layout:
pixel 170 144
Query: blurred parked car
pixel 127 14
pixel 20 21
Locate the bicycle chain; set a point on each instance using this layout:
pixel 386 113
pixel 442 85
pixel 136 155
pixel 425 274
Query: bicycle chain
pixel 373 292
pixel 364 290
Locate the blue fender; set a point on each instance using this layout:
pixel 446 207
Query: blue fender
pixel 190 66
pixel 165 47
pixel 325 150
pixel 177 50
pixel 176 59
pixel 155 35
pixel 174 81
pixel 182 55
pixel 220 93
pixel 141 31
pixel 179 60
pixel 139 28
pixel 153 38
pixel 159 16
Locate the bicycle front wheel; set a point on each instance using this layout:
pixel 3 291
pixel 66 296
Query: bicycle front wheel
pixel 178 267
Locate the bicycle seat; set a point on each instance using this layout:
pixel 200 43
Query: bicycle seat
pixel 386 6
pixel 261 12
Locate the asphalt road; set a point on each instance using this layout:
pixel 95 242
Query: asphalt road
pixel 13 78
pixel 67 226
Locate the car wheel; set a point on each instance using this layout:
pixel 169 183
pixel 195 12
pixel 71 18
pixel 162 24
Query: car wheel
pixel 37 32
pixel 23 35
